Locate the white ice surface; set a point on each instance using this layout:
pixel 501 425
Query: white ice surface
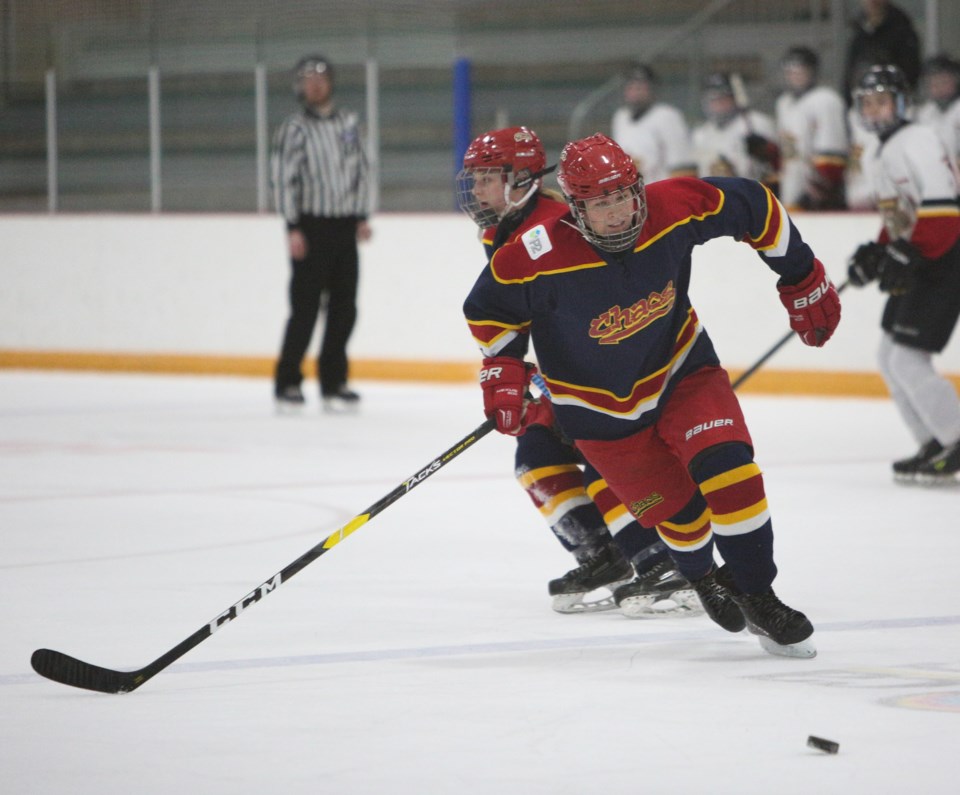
pixel 421 655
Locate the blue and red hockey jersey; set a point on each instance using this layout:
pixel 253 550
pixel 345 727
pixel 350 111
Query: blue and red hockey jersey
pixel 613 332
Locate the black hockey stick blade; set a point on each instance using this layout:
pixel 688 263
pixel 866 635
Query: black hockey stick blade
pixel 67 670
pixel 70 671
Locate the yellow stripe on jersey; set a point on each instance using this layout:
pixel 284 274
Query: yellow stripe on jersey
pixel 730 478
pixel 944 211
pixel 559 504
pixel 531 476
pixel 681 222
pixel 689 528
pixel 742 515
pixel 593 489
pixel 775 216
pixel 552 272
pixel 830 160
pixel 616 514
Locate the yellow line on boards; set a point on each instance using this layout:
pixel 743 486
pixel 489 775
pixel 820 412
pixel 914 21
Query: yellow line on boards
pixel 767 381
pixel 370 369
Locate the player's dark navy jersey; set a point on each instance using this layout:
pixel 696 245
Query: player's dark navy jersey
pixel 613 332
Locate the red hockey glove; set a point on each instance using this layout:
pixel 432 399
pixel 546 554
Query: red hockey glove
pixel 504 381
pixel 814 306
pixel 537 412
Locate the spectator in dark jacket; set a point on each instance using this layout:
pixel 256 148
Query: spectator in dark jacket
pixel 882 34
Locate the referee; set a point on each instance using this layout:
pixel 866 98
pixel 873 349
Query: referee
pixel 319 171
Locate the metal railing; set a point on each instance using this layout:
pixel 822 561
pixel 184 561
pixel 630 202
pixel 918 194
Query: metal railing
pixel 583 108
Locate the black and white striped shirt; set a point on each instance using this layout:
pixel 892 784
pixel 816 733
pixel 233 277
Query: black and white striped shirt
pixel 319 166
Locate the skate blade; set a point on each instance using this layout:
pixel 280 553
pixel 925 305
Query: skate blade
pixel 575 602
pixel 905 480
pixel 804 649
pixel 678 604
pixel 938 481
pixel 287 409
pixel 340 407
pixel 569 603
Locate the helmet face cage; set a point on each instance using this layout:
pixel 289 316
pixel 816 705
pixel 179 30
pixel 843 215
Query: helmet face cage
pixel 718 86
pixel 516 155
pixel 596 168
pixel 483 215
pixel 883 80
pixel 616 242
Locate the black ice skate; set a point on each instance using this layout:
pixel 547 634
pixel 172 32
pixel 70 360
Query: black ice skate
pixel 659 592
pixel 780 629
pixel 340 401
pixel 716 595
pixel 943 468
pixel 607 569
pixel 906 469
pixel 289 399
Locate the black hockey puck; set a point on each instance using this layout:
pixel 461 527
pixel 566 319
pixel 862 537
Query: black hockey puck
pixel 827 746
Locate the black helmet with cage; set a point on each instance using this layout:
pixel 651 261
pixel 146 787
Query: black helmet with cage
pixel 718 98
pixel 883 79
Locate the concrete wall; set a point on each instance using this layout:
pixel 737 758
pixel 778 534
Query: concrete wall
pixel 215 286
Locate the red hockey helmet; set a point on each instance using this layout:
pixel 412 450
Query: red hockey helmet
pixel 516 155
pixel 594 168
pixel 516 150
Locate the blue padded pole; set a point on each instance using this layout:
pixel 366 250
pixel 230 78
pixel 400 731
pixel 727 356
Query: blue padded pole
pixel 461 113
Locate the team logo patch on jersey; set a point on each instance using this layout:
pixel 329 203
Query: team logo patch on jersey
pixel 640 507
pixel 537 241
pixel 617 324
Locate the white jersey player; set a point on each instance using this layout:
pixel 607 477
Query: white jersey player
pixel 813 137
pixel 734 141
pixel 917 260
pixel 941 80
pixel 653 133
pixel 864 146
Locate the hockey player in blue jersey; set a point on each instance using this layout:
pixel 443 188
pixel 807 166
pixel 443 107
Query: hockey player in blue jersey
pixel 635 382
pixel 500 188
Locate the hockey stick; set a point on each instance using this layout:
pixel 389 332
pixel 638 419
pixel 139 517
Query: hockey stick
pixel 70 671
pixel 783 341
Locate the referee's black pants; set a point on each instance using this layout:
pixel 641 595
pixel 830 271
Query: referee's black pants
pixel 327 277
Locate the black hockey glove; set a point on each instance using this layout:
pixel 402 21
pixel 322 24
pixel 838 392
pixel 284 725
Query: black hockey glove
pixel 898 269
pixel 763 149
pixel 864 265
